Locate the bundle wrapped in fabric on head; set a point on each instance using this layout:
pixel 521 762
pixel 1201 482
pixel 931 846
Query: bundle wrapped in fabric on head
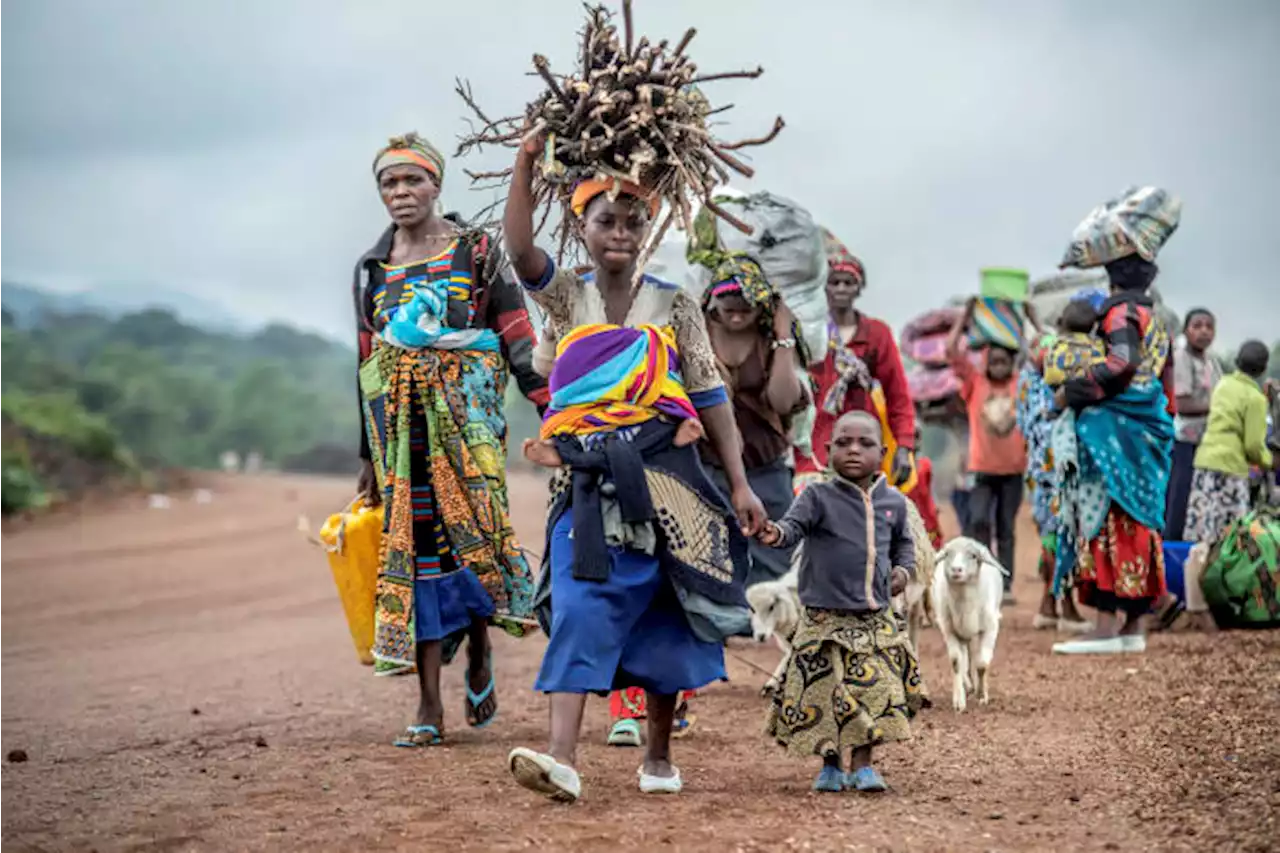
pixel 924 339
pixel 1137 222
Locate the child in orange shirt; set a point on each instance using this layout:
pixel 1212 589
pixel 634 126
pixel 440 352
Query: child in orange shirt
pixel 997 451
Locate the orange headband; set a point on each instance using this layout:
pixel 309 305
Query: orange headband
pixel 584 192
pixel 406 157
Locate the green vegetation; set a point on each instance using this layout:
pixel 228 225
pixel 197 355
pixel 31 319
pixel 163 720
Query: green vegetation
pixel 88 399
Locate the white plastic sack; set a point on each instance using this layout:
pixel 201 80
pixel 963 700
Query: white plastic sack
pixel 787 244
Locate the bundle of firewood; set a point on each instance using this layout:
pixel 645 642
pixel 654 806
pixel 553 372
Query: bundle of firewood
pixel 632 111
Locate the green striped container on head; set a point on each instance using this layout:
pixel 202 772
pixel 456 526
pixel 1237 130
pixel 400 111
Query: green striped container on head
pixel 1008 285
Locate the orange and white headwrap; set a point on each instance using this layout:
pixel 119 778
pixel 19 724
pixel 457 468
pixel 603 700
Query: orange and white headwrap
pixel 410 150
pixel 586 190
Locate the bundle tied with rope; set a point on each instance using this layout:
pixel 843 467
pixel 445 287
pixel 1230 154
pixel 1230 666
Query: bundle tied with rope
pixel 631 113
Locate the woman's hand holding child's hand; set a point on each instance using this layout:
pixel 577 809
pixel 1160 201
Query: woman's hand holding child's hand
pixel 769 534
pixel 898 580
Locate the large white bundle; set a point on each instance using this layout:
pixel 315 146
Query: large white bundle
pixel 787 244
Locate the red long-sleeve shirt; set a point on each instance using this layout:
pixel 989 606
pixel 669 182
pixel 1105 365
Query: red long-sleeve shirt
pixel 874 344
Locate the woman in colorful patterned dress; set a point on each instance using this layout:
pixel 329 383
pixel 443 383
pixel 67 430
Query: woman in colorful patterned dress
pixel 439 333
pixel 862 371
pixel 643 579
pixel 1036 414
pixel 1112 456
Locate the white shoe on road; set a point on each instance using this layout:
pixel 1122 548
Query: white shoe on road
pixel 660 784
pixel 1109 646
pixel 1134 643
pixel 542 773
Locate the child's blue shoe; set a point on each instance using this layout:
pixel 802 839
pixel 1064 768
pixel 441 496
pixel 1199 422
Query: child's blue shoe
pixel 866 779
pixel 829 781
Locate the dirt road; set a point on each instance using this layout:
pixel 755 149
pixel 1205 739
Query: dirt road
pixel 182 679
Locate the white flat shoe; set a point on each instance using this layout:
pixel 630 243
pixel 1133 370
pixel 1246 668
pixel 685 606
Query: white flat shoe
pixel 660 784
pixel 1111 646
pixel 1135 643
pixel 1044 623
pixel 543 774
pixel 1070 626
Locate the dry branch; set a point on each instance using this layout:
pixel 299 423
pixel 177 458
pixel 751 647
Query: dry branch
pixel 630 111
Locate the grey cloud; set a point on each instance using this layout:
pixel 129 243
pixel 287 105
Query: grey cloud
pixel 224 148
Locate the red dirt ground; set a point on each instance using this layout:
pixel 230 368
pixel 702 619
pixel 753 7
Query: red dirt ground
pixel 182 679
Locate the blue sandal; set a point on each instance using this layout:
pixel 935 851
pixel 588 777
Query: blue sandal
pixel 481 708
pixel 867 780
pixel 830 780
pixel 416 737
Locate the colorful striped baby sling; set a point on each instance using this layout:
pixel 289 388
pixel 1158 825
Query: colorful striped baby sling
pixel 608 376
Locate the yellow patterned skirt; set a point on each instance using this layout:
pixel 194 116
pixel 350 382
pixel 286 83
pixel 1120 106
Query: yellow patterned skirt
pixel 853 681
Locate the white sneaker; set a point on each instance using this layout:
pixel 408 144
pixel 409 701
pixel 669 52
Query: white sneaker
pixel 1071 626
pixel 1109 646
pixel 543 774
pixel 660 784
pixel 1044 623
pixel 1134 643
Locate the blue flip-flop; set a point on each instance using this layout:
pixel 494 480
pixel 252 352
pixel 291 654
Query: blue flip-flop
pixel 867 780
pixel 481 708
pixel 830 780
pixel 417 737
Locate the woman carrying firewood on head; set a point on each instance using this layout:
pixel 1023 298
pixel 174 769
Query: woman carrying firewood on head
pixel 640 578
pixel 439 333
pixel 862 371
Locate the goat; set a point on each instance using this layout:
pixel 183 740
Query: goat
pixel 775 612
pixel 967 592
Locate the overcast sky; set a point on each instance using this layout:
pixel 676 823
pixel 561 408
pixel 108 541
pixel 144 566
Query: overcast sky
pixel 224 148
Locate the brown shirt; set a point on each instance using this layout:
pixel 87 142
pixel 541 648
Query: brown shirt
pixel 763 432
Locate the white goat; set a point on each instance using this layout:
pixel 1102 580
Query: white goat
pixel 967 590
pixel 775 612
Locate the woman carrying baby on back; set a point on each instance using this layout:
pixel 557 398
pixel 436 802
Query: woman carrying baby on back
pixel 645 558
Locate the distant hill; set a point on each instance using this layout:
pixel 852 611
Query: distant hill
pixel 92 394
pixel 29 305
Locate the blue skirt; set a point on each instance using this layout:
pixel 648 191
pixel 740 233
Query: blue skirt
pixel 447 604
pixel 627 631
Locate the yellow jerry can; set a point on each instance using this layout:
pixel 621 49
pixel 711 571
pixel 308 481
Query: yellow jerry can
pixel 352 538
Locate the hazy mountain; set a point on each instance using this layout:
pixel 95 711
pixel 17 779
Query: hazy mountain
pixel 28 305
